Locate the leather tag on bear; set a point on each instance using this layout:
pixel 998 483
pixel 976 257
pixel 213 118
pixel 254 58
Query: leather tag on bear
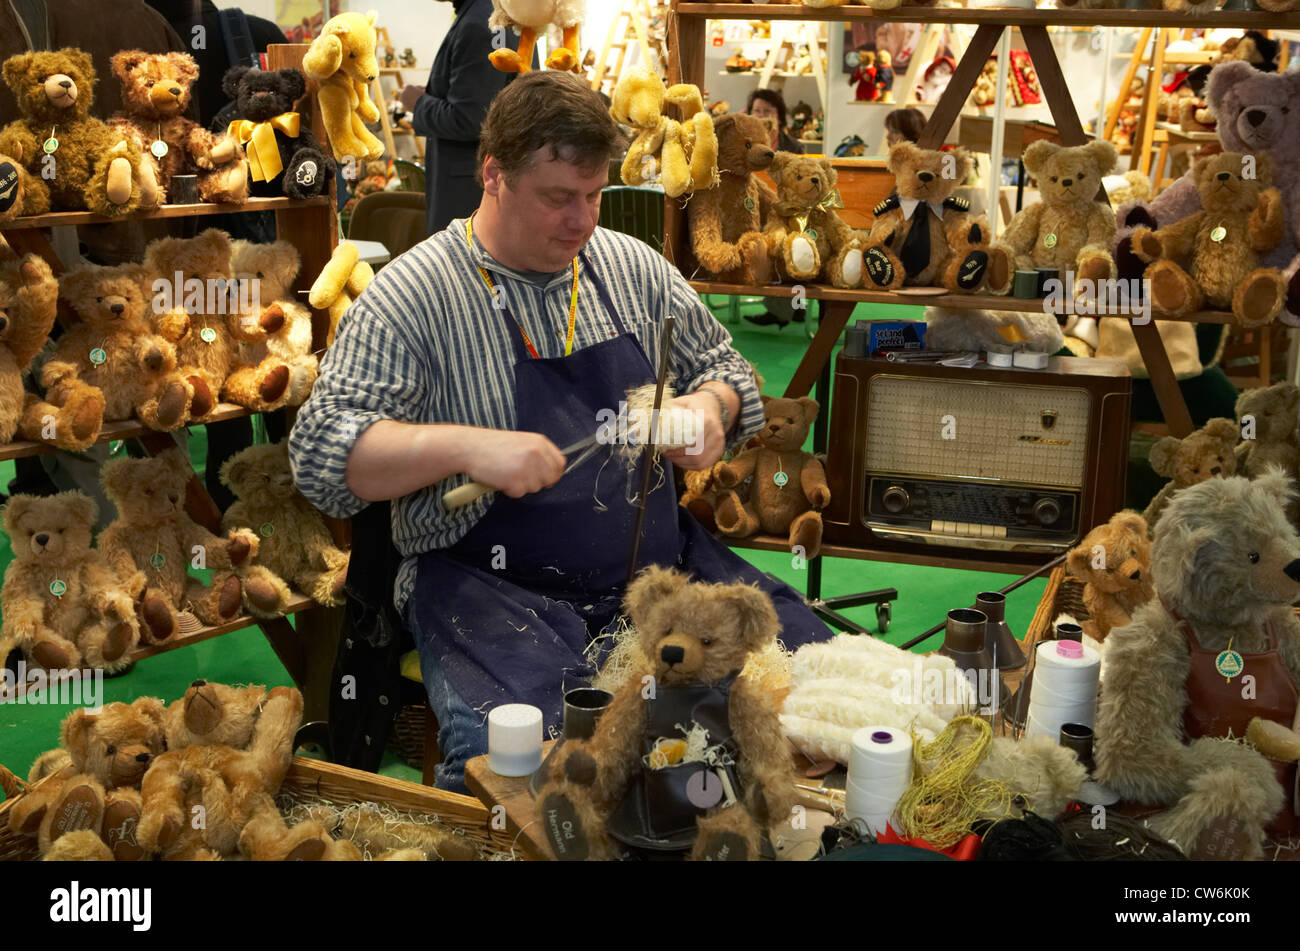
pixel 972 270
pixel 1223 840
pixel 120 820
pixel 79 809
pixel 8 186
pixel 563 829
pixel 878 266
pixel 725 847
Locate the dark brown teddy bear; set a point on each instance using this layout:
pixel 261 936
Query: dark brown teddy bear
pixel 156 90
pixel 286 158
pixel 689 756
pixel 94 168
pixel 726 221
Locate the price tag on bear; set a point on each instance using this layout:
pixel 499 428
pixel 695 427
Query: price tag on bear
pixel 58 588
pixel 207 335
pixel 159 148
pixel 1050 241
pixel 1229 663
pixel 1218 234
pixel 157 560
pixel 51 145
pixel 98 356
pixel 267 529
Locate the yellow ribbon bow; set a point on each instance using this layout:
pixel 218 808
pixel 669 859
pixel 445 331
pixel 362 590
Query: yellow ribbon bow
pixel 258 138
pixel 800 216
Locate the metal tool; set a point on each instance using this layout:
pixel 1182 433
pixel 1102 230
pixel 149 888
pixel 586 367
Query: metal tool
pixel 467 493
pixel 647 454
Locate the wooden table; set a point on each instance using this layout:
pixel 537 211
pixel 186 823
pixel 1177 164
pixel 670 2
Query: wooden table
pixel 523 820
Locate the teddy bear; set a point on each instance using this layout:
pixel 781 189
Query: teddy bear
pixel 156 91
pixel 228 750
pixel 286 324
pixel 726 221
pixel 110 360
pixel 74 160
pixel 806 236
pixel 1068 228
pixel 295 543
pixel 342 60
pixel 1218 649
pixel 687 151
pixel 154 534
pixel 1213 256
pixel 29 297
pixel 1114 563
pixel 205 326
pixel 339 283
pixel 93 782
pixel 1269 416
pixel 285 157
pixel 789 489
pixel 1251 109
pixel 65 604
pixel 1205 454
pixel 948 246
pixel 630 781
pixel 527 18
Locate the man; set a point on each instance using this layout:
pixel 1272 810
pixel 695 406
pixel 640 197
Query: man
pixel 476 355
pixel 450 111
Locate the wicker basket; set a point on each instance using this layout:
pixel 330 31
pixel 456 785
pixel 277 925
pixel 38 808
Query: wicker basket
pixel 1063 595
pixel 312 782
pixel 410 727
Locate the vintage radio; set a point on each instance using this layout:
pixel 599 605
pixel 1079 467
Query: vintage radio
pixel 1018 462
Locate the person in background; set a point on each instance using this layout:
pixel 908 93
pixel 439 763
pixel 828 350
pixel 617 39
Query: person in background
pixel 903 125
pixel 449 111
pixel 768 104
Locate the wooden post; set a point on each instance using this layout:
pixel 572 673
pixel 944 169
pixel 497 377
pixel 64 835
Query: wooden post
pixel 835 314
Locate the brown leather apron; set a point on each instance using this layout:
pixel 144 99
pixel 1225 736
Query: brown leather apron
pixel 1216 707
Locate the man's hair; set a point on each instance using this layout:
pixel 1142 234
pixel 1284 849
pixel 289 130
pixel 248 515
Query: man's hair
pixel 548 108
pixel 771 97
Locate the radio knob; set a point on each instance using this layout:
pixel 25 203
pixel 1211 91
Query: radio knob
pixel 1047 511
pixel 895 499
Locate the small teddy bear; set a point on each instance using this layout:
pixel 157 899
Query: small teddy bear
pixel 295 543
pixel 339 283
pixel 342 60
pixel 29 297
pixel 94 168
pixel 702 726
pixel 789 489
pixel 65 604
pixel 923 234
pixel 806 236
pixel 153 533
pixel 285 157
pixel 156 91
pixel 726 221
pixel 96 774
pixel 1114 563
pixel 1213 256
pixel 1197 669
pixel 285 324
pixel 1269 416
pixel 1205 454
pixel 110 360
pixel 685 153
pixel 528 18
pixel 1068 229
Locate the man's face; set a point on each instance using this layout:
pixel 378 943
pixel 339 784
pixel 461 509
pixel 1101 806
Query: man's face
pixel 551 207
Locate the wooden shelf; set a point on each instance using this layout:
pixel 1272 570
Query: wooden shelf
pixel 956 301
pixel 1010 16
pixel 942 556
pixel 56 218
pixel 113 432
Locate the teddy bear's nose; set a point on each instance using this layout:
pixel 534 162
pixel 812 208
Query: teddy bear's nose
pixel 1215 471
pixel 4 322
pixel 42 538
pixel 815 180
pixel 1293 570
pixel 175 91
pixel 1223 176
pixel 67 84
pixel 925 176
pixel 1136 575
pixel 199 683
pixel 1067 182
pixel 142 757
pixel 117 308
pixel 174 497
pixel 672 654
pixel 1255 116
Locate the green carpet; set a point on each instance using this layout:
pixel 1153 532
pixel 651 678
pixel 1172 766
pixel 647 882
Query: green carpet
pixel 925 594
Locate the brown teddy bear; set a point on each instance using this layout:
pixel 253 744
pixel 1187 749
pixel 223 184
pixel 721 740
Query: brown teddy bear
pixel 947 245
pixel 1213 256
pixel 109 360
pixel 689 757
pixel 29 297
pixel 1216 655
pixel 284 325
pixel 96 774
pixel 64 604
pixel 789 488
pixel 726 221
pixel 1269 416
pixel 1205 454
pixel 806 236
pixel 295 543
pixel 1068 228
pixel 204 326
pixel 1114 563
pixel 156 89
pixel 153 533
pixel 75 161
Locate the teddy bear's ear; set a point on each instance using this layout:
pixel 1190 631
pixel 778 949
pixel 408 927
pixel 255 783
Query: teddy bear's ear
pixel 1163 454
pixel 1224 430
pixel 16 508
pixel 15 68
pixel 187 71
pixel 294 82
pixel 1264 168
pixel 1103 153
pixel 126 60
pixel 1223 77
pixel 829 171
pixel 371 16
pixel 810 408
pixel 231 80
pixel 82 507
pixel 1037 154
pixel 81 62
pixel 765 398
pixel 1278 484
pixel 1131 521
pixel 234 470
pixel 151 707
pixel 755 615
pixel 651 586
pixel 780 161
pixel 112 475
pixel 75 733
pixel 902 155
pixel 1077 560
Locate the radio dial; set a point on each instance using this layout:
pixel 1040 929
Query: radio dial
pixel 1047 511
pixel 895 499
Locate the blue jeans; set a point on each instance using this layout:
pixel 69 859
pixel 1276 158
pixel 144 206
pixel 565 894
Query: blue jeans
pixel 462 731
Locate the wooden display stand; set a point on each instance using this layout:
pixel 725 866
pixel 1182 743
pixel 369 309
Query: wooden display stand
pixel 310 225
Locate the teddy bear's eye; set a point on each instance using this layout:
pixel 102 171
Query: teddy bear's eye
pixel 99 300
pixel 706 641
pixel 259 273
pixel 790 420
pixel 1254 557
pixel 1053 178
pixel 798 178
pixel 111 749
pixel 352 56
pixel 149 84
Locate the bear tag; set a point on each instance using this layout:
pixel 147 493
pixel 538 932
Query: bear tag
pixel 207 335
pixel 157 560
pixel 267 529
pixel 780 479
pixel 1049 241
pixel 51 145
pixel 159 148
pixel 749 204
pixel 58 588
pixel 1218 234
pixel 8 185
pixel 98 356
pixel 1229 663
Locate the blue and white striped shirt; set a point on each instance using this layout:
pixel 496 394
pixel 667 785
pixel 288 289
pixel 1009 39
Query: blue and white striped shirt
pixel 425 344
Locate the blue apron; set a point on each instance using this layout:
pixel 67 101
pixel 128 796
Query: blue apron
pixel 512 607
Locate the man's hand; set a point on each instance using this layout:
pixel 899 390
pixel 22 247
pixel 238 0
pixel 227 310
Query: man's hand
pixel 515 463
pixel 409 95
pixel 710 440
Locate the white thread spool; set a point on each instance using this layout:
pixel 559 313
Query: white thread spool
pixel 1066 674
pixel 880 770
pixel 515 739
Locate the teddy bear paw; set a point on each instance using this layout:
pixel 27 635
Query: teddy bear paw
pixel 882 270
pixel 202 402
pixel 721 846
pixel 53 656
pixel 262 595
pixel 117 188
pixel 78 807
pixel 121 819
pixel 156 619
pixel 802 257
pixel 274 384
pixel 508 61
pixel 117 642
pixel 851 268
pixel 1259 298
pixel 229 597
pixel 580 768
pixel 564 829
pixel 272 319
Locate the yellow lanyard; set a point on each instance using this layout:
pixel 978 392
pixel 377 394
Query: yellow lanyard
pixel 573 299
